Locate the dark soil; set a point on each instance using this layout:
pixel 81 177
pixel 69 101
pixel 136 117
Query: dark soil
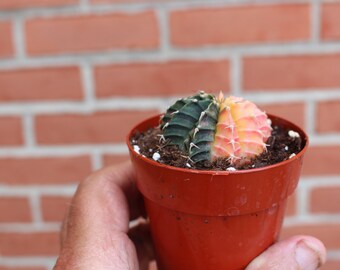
pixel 280 147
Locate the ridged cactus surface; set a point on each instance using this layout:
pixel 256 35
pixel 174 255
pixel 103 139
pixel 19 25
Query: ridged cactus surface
pixel 207 128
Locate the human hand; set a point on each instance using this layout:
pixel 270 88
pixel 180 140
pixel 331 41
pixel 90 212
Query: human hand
pixel 96 235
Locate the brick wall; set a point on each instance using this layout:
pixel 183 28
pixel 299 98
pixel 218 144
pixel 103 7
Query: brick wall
pixel 75 75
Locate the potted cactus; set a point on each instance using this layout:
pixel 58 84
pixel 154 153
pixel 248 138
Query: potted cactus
pixel 219 205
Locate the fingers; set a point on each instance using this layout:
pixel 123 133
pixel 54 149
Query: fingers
pixel 98 220
pixel 123 176
pixel 294 253
pixel 95 228
pixel 110 193
pixel 141 237
pixel 152 265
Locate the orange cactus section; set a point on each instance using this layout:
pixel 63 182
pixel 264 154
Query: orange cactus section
pixel 241 131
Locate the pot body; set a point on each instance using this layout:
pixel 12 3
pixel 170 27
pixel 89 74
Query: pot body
pixel 185 241
pixel 213 219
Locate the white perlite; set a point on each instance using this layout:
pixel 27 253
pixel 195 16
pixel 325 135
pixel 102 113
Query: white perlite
pixel 292 155
pixel 188 165
pixel 293 134
pixel 232 169
pixel 156 156
pixel 286 148
pixel 136 148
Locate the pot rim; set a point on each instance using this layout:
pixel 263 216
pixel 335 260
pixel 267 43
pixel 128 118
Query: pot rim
pixel 304 136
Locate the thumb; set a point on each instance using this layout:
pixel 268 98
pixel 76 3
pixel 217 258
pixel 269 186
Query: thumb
pixel 297 252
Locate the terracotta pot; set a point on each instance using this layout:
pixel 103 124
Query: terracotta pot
pixel 211 219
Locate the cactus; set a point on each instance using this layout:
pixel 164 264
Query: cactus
pixel 208 128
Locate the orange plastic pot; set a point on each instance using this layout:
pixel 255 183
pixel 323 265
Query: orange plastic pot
pixel 202 220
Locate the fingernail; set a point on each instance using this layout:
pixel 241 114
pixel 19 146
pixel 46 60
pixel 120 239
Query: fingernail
pixel 307 255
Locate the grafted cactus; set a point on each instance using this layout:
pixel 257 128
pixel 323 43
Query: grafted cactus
pixel 208 128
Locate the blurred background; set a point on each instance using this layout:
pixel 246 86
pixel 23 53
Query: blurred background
pixel 76 75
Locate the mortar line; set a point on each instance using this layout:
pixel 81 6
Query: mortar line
pixel 18 38
pixel 28 130
pixel 325 140
pixel 35 204
pixel 62 150
pixel 315 21
pixel 310 117
pixel 96 160
pixel 303 200
pixel 30 227
pixel 134 7
pixel 88 85
pixel 157 103
pixel 29 261
pixel 84 5
pixel 114 104
pixel 164 35
pixel 32 190
pixel 311 220
pixel 321 181
pixel 333 255
pixel 236 74
pixel 217 52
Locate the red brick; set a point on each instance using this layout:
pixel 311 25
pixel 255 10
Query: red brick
pixel 325 200
pixel 331 265
pixel 56 170
pixel 92 32
pixel 54 208
pixel 10 130
pixel 14 210
pixel 57 83
pixel 294 112
pixel 157 79
pixel 16 4
pixel 6 43
pixel 330 21
pixel 322 160
pixel 29 244
pixel 21 268
pixel 291 72
pixel 328 116
pixel 101 127
pixel 240 24
pixel 291 205
pixel 114 159
pixel 329 234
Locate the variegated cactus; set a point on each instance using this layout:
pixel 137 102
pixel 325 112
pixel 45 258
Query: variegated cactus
pixel 208 128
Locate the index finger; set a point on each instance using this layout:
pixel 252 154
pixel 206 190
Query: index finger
pixel 123 175
pixel 108 197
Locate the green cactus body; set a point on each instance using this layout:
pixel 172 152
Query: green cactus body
pixel 181 119
pixel 207 128
pixel 204 134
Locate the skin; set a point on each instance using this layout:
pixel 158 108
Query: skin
pixel 96 234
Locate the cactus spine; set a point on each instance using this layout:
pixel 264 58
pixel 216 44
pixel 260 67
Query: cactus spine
pixel 207 128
